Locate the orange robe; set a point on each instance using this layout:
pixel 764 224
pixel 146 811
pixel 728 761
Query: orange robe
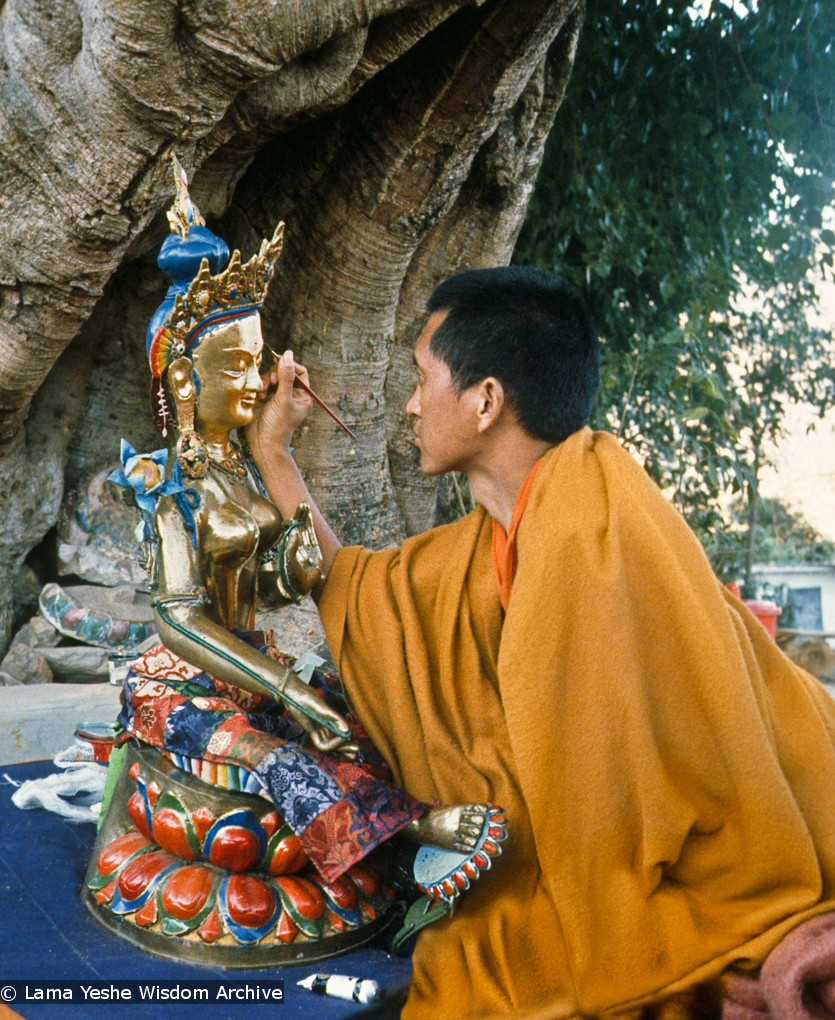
pixel 668 775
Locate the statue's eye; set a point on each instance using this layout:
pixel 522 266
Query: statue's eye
pixel 236 369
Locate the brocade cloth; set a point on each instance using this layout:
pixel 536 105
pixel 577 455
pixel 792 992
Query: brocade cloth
pixel 339 810
pixel 668 774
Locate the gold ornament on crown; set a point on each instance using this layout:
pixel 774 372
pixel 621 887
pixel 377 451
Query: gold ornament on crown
pixel 184 213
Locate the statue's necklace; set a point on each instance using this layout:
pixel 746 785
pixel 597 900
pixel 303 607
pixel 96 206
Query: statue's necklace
pixel 232 465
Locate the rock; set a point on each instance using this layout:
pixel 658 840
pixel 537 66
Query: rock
pixel 96 535
pixel 297 628
pixel 78 664
pixel 25 590
pixel 26 586
pixel 7 680
pixel 37 633
pixel 109 618
pixel 26 665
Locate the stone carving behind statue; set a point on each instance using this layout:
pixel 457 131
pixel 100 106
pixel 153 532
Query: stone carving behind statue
pixel 242 826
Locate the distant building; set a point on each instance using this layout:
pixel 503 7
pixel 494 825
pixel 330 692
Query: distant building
pixel 813 592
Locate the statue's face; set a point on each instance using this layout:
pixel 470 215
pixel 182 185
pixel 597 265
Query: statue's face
pixel 227 364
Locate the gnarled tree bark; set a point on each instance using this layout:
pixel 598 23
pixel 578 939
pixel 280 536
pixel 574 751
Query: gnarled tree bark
pixel 398 140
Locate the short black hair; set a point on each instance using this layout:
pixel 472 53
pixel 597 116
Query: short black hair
pixel 531 331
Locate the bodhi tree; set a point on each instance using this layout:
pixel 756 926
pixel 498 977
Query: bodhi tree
pixel 398 140
pixel 685 189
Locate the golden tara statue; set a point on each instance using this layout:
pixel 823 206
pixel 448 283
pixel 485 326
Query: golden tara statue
pixel 245 805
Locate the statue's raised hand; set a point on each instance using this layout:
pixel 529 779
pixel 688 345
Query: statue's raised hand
pixel 302 555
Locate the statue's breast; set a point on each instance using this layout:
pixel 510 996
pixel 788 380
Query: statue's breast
pixel 230 536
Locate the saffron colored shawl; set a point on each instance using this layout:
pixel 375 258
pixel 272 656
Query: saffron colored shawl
pixel 668 775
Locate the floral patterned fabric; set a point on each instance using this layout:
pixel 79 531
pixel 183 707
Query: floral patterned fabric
pixel 339 810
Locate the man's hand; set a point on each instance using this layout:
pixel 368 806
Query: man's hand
pixel 281 409
pixel 269 438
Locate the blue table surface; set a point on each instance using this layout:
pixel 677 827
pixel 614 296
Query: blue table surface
pixel 48 934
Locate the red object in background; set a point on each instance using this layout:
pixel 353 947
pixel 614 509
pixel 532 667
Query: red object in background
pixel 765 612
pixel 98 736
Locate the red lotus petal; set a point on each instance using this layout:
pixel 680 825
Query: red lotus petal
pixel 203 819
pixel 235 848
pixel 251 903
pixel 367 881
pixel 288 856
pixel 187 891
pixel 342 892
pixel 169 828
pixel 148 914
pixel 105 894
pixel 137 875
pixel 304 896
pixel 119 849
pixel 211 929
pixel 287 930
pixel 271 822
pixel 136 812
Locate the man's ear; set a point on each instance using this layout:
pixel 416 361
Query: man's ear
pixel 489 403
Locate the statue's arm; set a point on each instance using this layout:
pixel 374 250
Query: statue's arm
pixel 187 629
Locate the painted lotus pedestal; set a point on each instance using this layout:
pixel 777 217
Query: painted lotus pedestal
pixel 192 872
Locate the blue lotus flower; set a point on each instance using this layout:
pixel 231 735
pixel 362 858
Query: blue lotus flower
pixel 145 474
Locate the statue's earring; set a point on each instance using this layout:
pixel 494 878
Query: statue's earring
pixel 192 455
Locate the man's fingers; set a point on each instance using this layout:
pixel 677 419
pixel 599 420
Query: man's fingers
pixel 286 371
pixel 288 361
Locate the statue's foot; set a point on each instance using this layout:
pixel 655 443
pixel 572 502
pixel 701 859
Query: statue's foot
pixel 455 828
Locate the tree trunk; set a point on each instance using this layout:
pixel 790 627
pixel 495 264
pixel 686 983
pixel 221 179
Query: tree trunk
pixel 398 140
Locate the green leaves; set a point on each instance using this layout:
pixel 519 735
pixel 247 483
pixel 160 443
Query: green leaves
pixel 683 191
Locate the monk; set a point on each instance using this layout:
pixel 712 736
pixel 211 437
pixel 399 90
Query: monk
pixel 566 651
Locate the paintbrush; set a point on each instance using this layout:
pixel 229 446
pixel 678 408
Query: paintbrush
pixel 316 397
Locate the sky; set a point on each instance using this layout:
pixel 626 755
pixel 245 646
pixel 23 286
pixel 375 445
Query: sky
pixel 804 463
pixel 803 475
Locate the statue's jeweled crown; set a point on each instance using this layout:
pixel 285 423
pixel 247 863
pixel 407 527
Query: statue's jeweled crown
pixel 202 295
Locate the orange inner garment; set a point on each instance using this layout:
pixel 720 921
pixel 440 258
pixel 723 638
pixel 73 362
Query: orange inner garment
pixel 504 545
